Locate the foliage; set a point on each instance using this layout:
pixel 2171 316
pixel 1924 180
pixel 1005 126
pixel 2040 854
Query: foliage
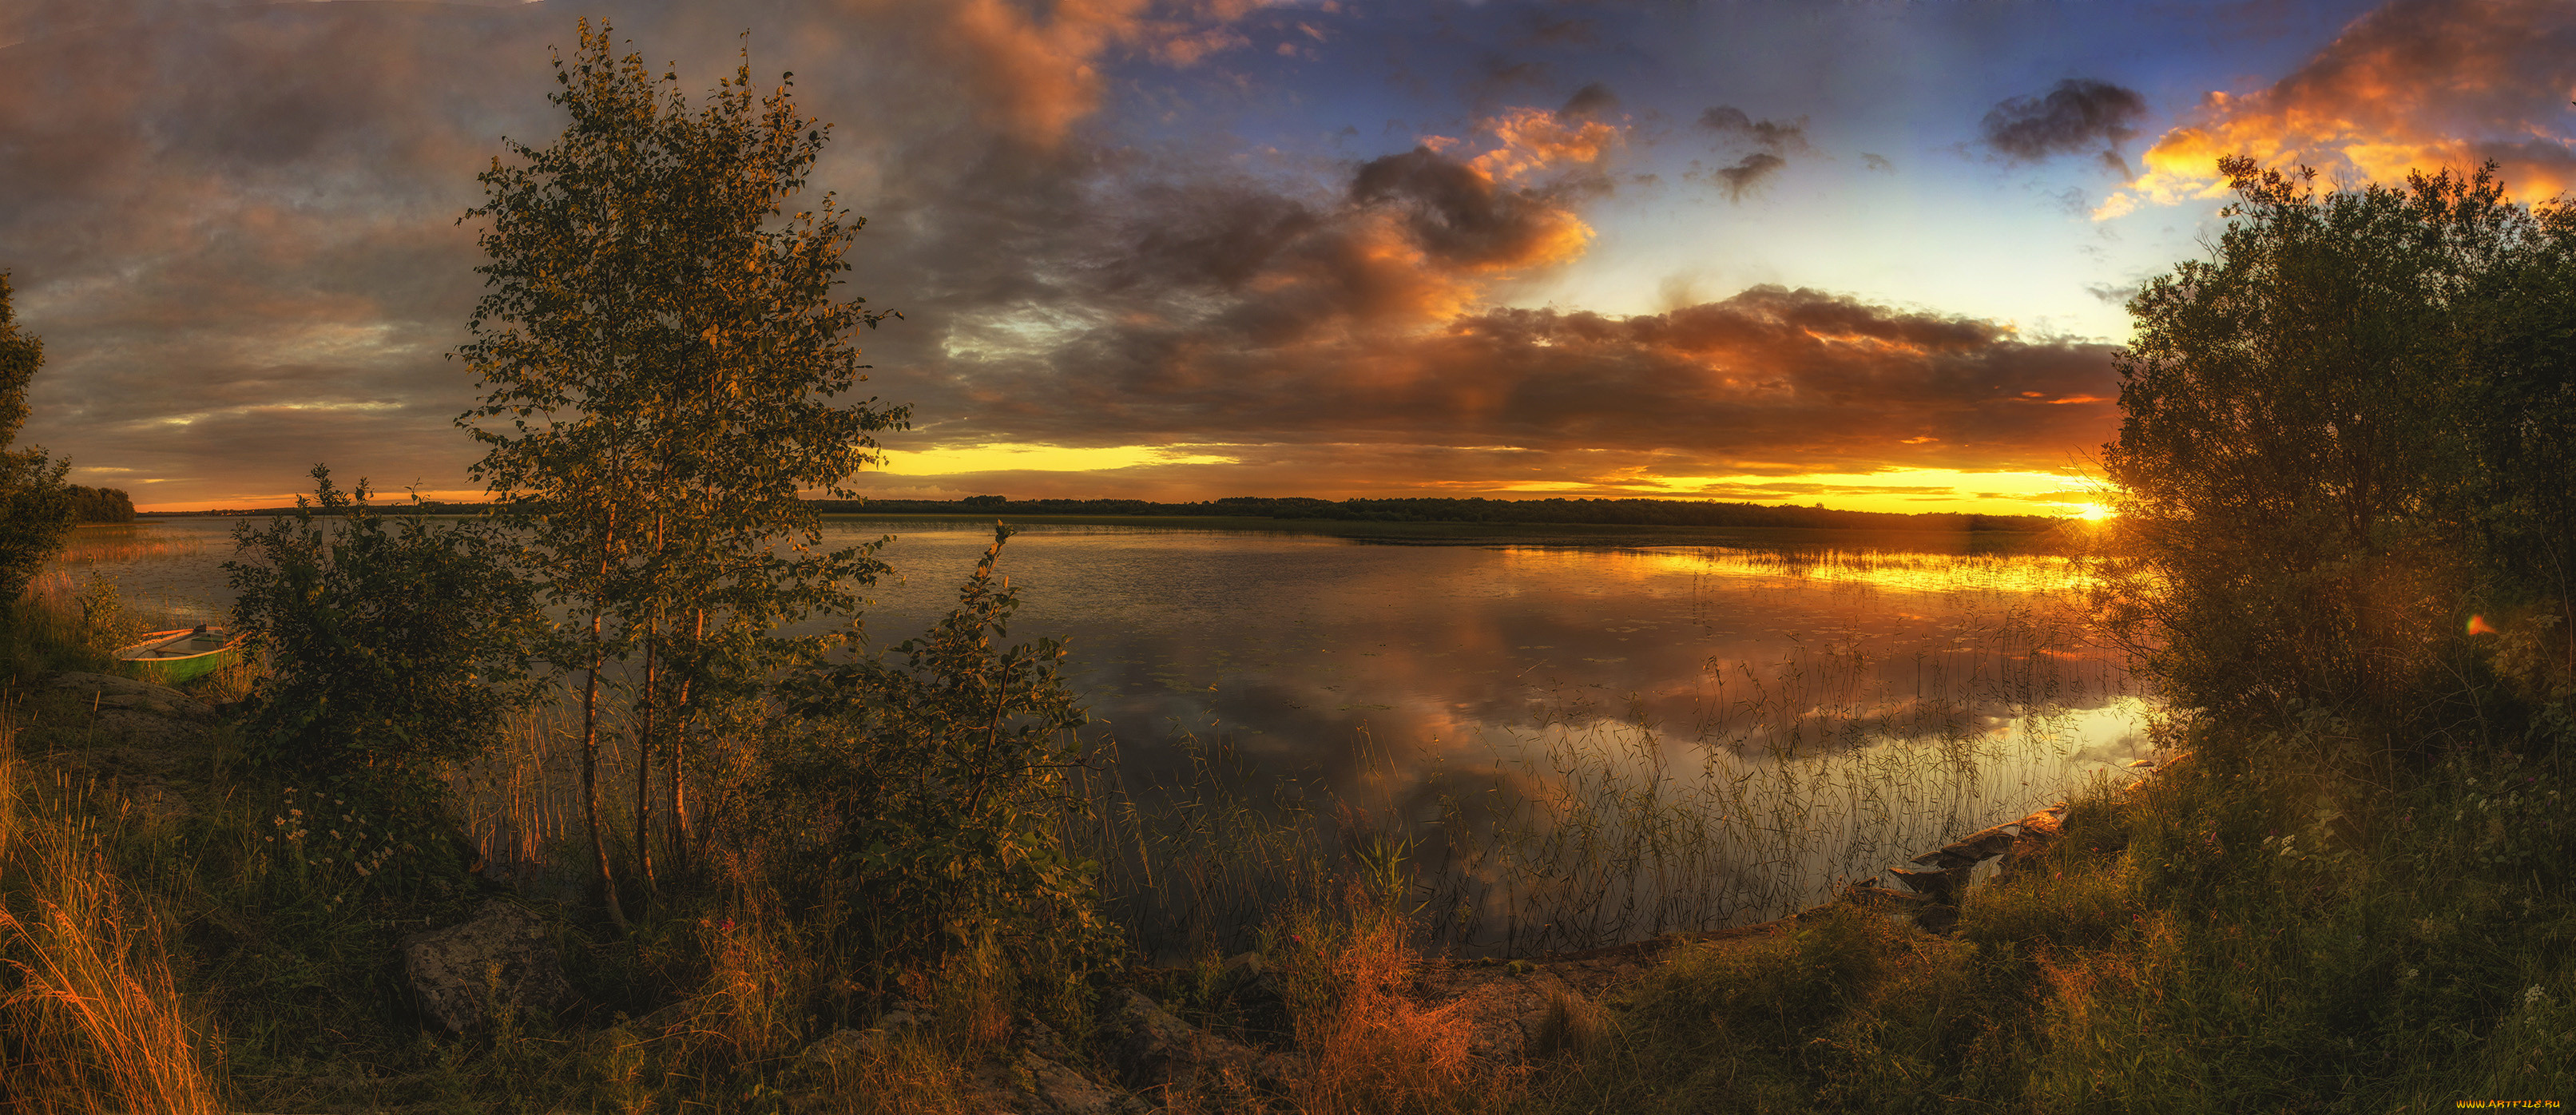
pixel 36 507
pixel 104 616
pixel 928 791
pixel 101 505
pixel 392 650
pixel 661 352
pixel 2337 443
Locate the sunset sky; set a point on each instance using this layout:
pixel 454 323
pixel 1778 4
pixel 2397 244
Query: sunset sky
pixel 1869 254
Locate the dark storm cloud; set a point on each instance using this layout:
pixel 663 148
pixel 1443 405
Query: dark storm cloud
pixel 2077 116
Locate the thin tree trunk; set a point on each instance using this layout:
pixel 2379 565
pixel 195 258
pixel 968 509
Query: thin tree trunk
pixel 685 715
pixel 590 773
pixel 644 758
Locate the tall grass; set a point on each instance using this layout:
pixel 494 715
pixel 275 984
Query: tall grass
pixel 1366 1046
pixel 90 1017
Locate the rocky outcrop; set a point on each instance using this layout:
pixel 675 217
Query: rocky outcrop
pixel 462 975
pixel 135 714
pixel 1157 1054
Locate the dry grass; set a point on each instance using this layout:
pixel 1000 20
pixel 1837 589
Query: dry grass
pixel 107 543
pixel 93 1020
pixel 1365 1046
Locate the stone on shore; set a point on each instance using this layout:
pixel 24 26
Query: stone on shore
pixel 500 960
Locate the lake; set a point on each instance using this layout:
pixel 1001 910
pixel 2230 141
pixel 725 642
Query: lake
pixel 1653 738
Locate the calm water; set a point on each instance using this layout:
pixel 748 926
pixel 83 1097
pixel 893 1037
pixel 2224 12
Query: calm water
pixel 1901 698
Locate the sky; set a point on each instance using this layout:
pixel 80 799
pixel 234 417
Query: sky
pixel 1864 253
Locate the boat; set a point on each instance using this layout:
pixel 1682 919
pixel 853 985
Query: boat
pixel 171 657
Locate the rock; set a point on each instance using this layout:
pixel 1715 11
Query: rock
pixel 123 712
pixel 108 691
pixel 2038 832
pixel 1242 969
pixel 1157 1052
pixel 1938 919
pixel 832 1054
pixel 1940 886
pixel 1883 897
pixel 1053 1089
pixel 500 960
pixel 1976 847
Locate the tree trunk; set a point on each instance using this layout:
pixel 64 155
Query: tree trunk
pixel 590 775
pixel 682 718
pixel 644 758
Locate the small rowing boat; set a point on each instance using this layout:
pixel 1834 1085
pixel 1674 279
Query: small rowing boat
pixel 171 657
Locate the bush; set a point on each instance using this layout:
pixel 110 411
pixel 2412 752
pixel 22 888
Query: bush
pixel 927 794
pixel 392 651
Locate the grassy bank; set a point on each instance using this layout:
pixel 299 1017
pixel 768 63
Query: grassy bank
pixel 2249 931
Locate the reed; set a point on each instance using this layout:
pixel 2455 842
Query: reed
pixel 1590 823
pixel 92 1020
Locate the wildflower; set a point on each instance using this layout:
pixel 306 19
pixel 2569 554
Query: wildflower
pixel 2286 841
pixel 2531 996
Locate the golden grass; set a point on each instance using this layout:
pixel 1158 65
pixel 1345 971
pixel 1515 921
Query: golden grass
pixel 1367 1048
pixel 121 542
pixel 90 1019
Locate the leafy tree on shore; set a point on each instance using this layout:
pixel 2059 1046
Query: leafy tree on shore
pixel 2338 443
pixel 661 347
pixel 35 504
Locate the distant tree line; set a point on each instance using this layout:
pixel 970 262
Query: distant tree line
pixel 1605 512
pixel 101 505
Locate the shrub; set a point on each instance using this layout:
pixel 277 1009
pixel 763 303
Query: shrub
pixel 392 651
pixel 926 793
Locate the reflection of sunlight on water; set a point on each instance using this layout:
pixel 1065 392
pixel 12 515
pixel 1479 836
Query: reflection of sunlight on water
pixel 1909 572
pixel 1592 745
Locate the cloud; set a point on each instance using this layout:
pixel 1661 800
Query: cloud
pixel 1773 140
pixel 238 236
pixel 1035 76
pixel 1877 163
pixel 1770 380
pixel 2077 116
pixel 1748 173
pixel 2414 85
pixel 1589 102
pixel 1770 135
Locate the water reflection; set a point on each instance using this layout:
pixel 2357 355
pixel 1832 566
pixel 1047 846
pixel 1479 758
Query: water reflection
pixel 1854 706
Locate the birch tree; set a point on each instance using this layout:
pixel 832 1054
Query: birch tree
pixel 664 353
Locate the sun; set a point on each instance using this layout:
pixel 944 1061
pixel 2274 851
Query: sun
pixel 2093 512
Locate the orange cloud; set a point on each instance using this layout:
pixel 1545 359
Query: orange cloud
pixel 2416 85
pixel 1035 77
pixel 1531 140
